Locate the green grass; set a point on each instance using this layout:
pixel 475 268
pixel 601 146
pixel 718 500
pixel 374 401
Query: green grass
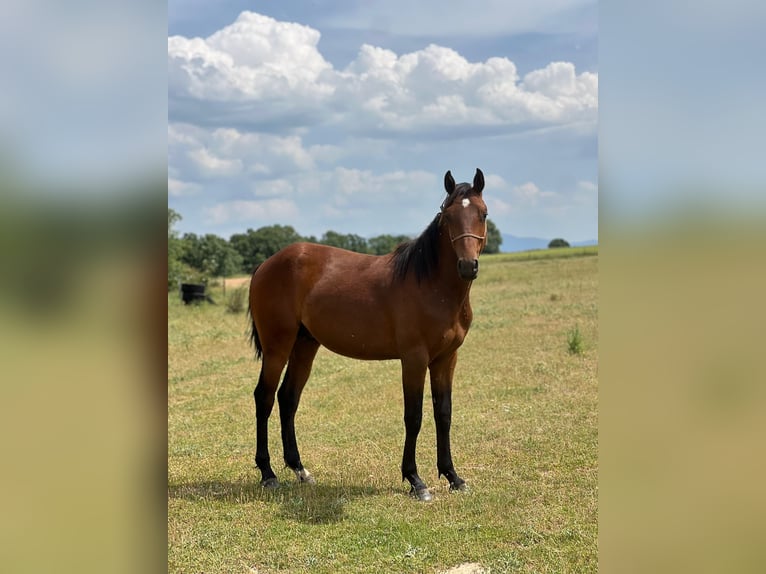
pixel 524 436
pixel 574 341
pixel 556 253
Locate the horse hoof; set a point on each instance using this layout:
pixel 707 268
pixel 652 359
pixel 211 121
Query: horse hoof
pixel 458 487
pixel 304 476
pixel 422 494
pixel 270 483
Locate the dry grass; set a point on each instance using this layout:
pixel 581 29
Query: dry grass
pixel 524 437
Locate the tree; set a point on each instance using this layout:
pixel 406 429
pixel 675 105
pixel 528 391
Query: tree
pixel 352 242
pixel 175 250
pixel 173 218
pixel 383 244
pixel 230 262
pixel 218 258
pixel 494 239
pixel 191 250
pixel 257 246
pixel 209 256
pixel 558 242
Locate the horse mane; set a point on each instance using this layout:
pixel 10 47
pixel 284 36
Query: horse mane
pixel 422 253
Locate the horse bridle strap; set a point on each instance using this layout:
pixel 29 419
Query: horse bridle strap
pixel 479 237
pixel 453 239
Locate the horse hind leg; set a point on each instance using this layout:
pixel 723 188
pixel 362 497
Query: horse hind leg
pixel 265 390
pixel 289 395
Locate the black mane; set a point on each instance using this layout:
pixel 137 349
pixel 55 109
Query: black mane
pixel 422 253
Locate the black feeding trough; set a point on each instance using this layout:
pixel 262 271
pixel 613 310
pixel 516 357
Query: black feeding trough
pixel 194 293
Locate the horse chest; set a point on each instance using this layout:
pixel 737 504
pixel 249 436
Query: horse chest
pixel 453 334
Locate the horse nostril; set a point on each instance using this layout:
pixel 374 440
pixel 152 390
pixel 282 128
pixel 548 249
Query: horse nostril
pixel 468 268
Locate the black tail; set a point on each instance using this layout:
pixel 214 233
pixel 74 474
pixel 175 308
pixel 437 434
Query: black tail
pixel 252 331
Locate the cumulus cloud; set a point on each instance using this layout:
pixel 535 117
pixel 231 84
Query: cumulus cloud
pixel 265 74
pixel 254 61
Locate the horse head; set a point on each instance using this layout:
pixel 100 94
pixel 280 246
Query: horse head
pixel 464 214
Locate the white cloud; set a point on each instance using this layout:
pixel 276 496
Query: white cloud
pixel 178 188
pixel 255 212
pixel 494 182
pixel 531 194
pixel 351 200
pixel 209 164
pixel 526 198
pixel 263 74
pixel 256 57
pixel 498 207
pixel 228 152
pixel 253 61
pixel 379 189
pixel 437 88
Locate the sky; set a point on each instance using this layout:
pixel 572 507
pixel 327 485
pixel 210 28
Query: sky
pixel 345 115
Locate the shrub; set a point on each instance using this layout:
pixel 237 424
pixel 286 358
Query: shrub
pixel 574 341
pixel 235 302
pixel 558 242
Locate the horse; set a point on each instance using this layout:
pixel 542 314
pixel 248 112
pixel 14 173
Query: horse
pixel 412 305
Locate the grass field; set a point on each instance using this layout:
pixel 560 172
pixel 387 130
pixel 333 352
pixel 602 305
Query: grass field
pixel 524 436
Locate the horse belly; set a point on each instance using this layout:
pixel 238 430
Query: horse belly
pixel 351 328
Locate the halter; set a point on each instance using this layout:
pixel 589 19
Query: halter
pixel 453 239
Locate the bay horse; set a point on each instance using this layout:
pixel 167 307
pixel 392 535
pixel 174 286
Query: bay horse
pixel 411 305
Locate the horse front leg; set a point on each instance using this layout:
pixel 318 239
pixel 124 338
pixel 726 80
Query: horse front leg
pixel 442 371
pixel 413 380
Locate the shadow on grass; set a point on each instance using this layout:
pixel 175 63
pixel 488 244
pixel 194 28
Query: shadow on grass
pixel 309 503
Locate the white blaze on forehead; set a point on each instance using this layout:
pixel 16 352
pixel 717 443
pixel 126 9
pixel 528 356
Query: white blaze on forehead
pixel 466 202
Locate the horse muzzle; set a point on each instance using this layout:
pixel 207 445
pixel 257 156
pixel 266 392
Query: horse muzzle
pixel 468 269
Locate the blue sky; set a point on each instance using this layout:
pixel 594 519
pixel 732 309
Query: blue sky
pixel 345 115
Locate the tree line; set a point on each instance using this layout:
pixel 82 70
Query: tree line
pixel 193 257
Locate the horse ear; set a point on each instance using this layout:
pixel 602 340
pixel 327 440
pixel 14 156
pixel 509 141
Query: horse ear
pixel 478 181
pixel 449 182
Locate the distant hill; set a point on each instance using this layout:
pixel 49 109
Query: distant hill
pixel 512 243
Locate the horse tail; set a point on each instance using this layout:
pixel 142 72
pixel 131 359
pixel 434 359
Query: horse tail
pixel 253 331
